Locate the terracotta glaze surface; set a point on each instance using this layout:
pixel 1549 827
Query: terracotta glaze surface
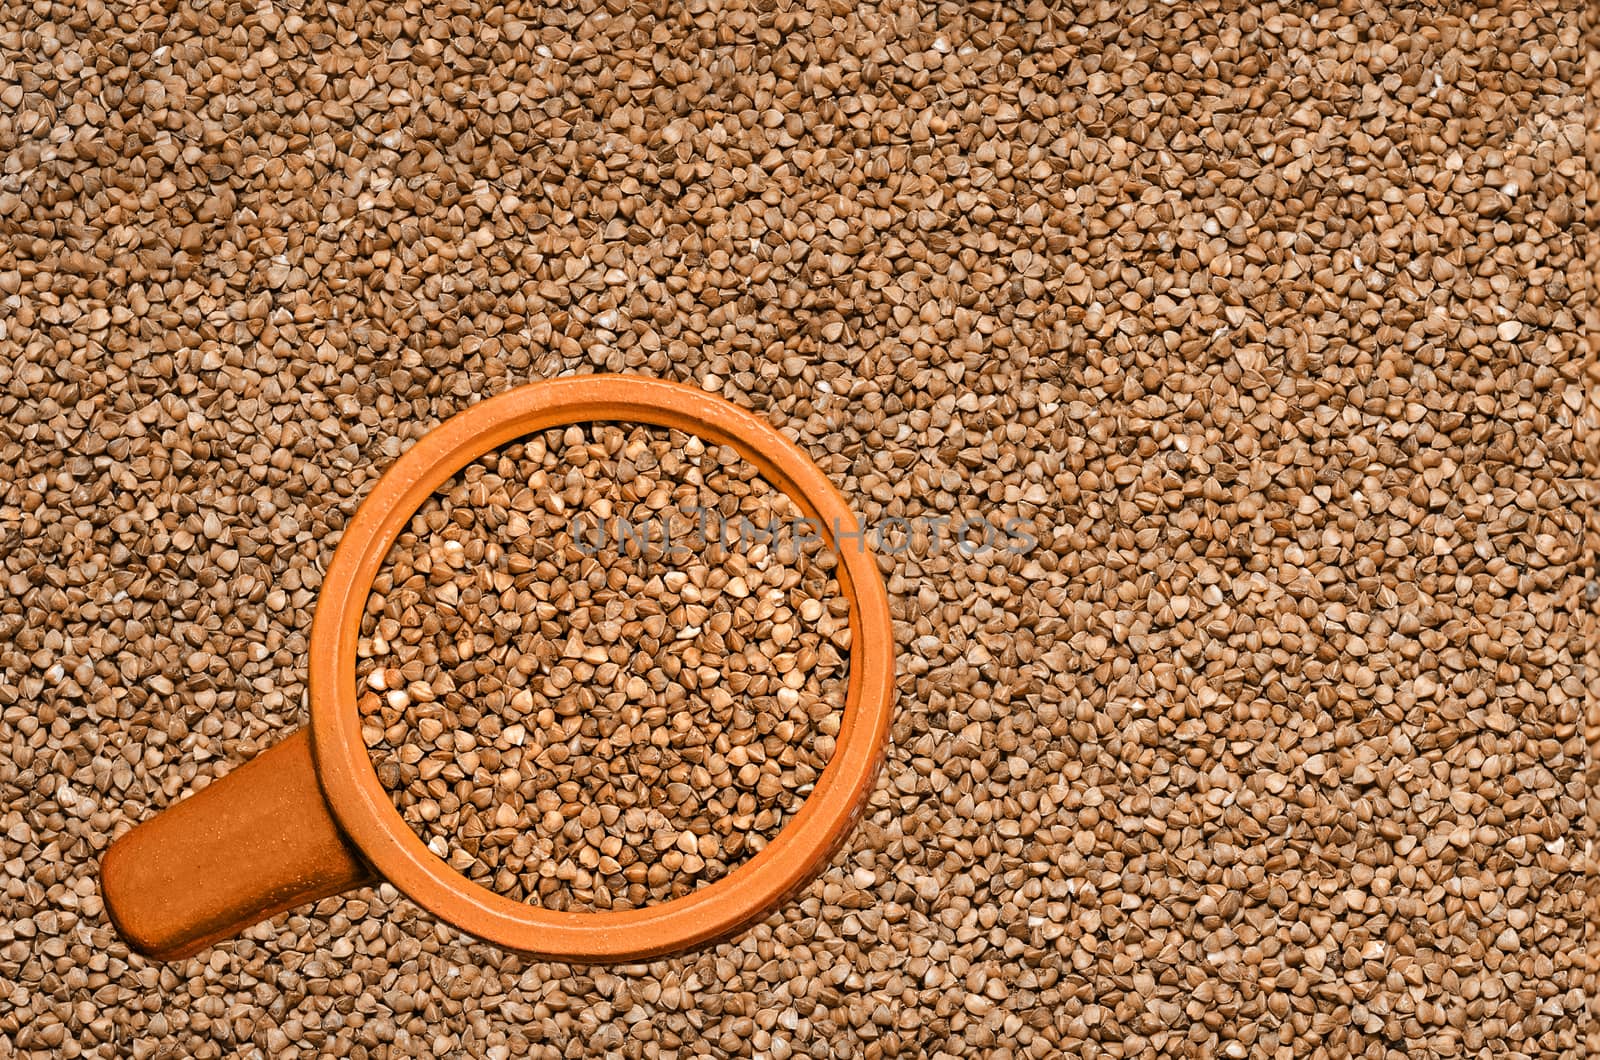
pixel 309 818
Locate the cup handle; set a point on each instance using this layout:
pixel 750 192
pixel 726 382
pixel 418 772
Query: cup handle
pixel 253 844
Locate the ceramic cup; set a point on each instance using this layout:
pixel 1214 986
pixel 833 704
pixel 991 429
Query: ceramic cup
pixel 308 818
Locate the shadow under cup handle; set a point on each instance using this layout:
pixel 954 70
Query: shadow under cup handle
pixel 253 844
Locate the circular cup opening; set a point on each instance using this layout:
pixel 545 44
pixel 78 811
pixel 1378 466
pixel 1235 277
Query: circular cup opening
pixel 363 806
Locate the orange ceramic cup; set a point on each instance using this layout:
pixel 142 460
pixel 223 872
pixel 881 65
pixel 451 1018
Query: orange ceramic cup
pixel 308 818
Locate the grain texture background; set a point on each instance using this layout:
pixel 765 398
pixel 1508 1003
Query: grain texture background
pixel 1266 319
pixel 1588 433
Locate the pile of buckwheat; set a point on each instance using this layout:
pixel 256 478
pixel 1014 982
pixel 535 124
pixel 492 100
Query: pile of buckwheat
pixel 603 666
pixel 1264 324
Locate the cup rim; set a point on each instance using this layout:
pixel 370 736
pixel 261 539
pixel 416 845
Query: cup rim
pixel 363 807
